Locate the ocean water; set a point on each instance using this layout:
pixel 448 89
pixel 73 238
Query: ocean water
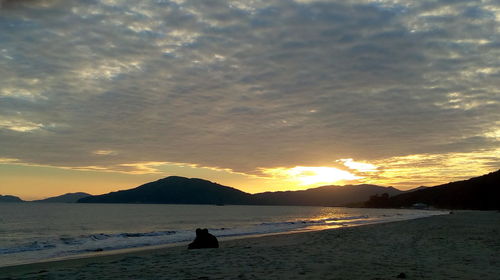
pixel 33 232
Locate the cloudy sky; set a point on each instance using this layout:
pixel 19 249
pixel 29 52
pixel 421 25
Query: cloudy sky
pixel 261 95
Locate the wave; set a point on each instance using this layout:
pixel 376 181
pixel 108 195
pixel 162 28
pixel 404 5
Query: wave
pixel 32 246
pixel 91 242
pixel 66 245
pixel 97 242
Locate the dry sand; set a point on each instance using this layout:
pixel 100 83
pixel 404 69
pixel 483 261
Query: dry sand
pixel 464 245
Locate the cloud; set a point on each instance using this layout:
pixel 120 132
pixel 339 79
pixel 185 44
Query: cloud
pixel 22 4
pixel 358 166
pixel 104 153
pixel 433 169
pixel 19 125
pixel 244 85
pixel 310 175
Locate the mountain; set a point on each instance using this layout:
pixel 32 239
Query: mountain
pixel 180 190
pixel 479 193
pixel 175 190
pixel 416 189
pixel 476 193
pixel 324 196
pixel 65 198
pixel 10 198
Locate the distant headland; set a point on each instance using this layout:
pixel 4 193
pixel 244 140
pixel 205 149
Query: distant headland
pixel 478 193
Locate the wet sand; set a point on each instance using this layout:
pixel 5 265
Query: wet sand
pixel 463 245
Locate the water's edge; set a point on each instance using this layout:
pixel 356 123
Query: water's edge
pixel 118 253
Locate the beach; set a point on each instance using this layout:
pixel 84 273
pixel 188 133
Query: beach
pixel 461 245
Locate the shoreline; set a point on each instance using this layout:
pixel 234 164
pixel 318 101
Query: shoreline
pixel 463 245
pixel 152 248
pixel 182 244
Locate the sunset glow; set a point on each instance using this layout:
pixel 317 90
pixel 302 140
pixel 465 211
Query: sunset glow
pixel 311 176
pixel 358 166
pixel 98 96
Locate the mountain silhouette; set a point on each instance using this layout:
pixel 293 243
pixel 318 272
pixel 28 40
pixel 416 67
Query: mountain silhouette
pixel 478 193
pixel 10 198
pixel 324 196
pixel 65 198
pixel 180 190
pixel 175 190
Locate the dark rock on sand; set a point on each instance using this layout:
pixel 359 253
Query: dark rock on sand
pixel 203 240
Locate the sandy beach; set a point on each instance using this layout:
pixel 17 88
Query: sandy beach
pixel 463 245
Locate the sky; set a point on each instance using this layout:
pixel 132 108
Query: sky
pixel 103 95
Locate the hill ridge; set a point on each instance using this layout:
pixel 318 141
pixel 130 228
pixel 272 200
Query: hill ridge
pixel 64 198
pixel 183 190
pixel 477 193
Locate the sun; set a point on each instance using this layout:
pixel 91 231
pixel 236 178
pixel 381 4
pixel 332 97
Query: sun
pixel 308 175
pixel 312 175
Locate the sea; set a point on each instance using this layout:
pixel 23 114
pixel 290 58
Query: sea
pixel 37 232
